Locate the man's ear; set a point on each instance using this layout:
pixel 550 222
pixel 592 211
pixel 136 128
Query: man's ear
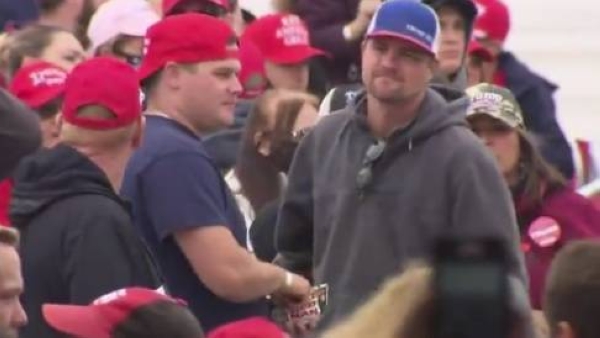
pixel 434 67
pixel 172 74
pixel 363 45
pixel 58 124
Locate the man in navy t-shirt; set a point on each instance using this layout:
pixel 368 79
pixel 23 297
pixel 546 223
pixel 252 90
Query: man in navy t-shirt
pixel 181 204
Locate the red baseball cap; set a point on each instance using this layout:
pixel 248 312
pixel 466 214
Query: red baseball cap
pixel 38 83
pixel 282 38
pixel 252 75
pixel 107 82
pixel 170 40
pixel 475 48
pixel 169 5
pixel 255 327
pixel 99 319
pixel 493 20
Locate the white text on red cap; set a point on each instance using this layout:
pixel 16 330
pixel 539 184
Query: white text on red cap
pixel 292 32
pixel 48 77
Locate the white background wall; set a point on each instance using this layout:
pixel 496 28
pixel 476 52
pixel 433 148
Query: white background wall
pixel 561 40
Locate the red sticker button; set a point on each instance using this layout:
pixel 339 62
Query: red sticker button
pixel 545 232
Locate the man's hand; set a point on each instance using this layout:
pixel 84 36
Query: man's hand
pixel 357 28
pixel 294 289
pixel 366 8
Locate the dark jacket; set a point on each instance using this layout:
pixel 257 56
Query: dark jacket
pixel 17 12
pixel 20 132
pixel 224 146
pixel 576 218
pixel 262 232
pixel 77 239
pixel 434 178
pixel 326 20
pixel 534 94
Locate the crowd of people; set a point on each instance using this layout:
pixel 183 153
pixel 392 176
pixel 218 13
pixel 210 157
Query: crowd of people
pixel 183 168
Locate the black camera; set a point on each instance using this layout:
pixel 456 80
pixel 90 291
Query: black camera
pixel 472 288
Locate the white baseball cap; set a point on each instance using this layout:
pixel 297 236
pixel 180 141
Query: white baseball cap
pixel 120 17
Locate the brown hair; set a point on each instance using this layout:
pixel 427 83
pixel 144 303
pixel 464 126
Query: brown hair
pixel 50 109
pixel 573 289
pixel 537 176
pixel 31 41
pixel 258 177
pixel 9 236
pixel 159 320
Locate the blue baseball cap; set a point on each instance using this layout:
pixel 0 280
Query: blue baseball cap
pixel 408 20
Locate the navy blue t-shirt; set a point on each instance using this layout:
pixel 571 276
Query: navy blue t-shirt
pixel 173 185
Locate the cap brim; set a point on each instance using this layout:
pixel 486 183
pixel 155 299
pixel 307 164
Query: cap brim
pixel 388 34
pixel 139 25
pixel 146 70
pixel 482 52
pixel 471 113
pixel 78 321
pixel 49 95
pixel 292 55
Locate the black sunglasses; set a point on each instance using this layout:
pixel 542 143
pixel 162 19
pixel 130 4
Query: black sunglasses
pixel 365 174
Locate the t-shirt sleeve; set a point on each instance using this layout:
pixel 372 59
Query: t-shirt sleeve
pixel 183 191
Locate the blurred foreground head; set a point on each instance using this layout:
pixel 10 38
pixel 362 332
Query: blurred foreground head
pixel 405 307
pixel 572 295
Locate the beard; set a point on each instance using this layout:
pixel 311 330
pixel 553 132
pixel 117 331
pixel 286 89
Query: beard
pixel 390 92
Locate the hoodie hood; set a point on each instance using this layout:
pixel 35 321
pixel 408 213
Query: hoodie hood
pixel 51 175
pixel 441 108
pixel 468 10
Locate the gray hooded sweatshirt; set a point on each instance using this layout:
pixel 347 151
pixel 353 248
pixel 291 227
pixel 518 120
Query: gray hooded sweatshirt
pixel 434 178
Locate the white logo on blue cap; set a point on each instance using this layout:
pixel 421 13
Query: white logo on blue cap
pixel 407 18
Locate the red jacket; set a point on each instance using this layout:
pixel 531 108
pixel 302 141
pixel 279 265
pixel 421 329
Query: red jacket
pixel 5 190
pixel 562 216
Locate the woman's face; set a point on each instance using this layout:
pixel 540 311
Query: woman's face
pixel 64 51
pixel 502 140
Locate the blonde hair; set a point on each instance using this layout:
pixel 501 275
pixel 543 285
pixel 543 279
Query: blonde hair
pixel 403 308
pixel 99 139
pixel 9 236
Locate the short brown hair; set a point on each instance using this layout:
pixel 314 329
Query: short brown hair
pixel 159 320
pixel 31 41
pixel 9 236
pixel 573 289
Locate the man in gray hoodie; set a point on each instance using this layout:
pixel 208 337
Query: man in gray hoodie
pixel 375 185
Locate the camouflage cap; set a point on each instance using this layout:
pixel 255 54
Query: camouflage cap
pixel 495 101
